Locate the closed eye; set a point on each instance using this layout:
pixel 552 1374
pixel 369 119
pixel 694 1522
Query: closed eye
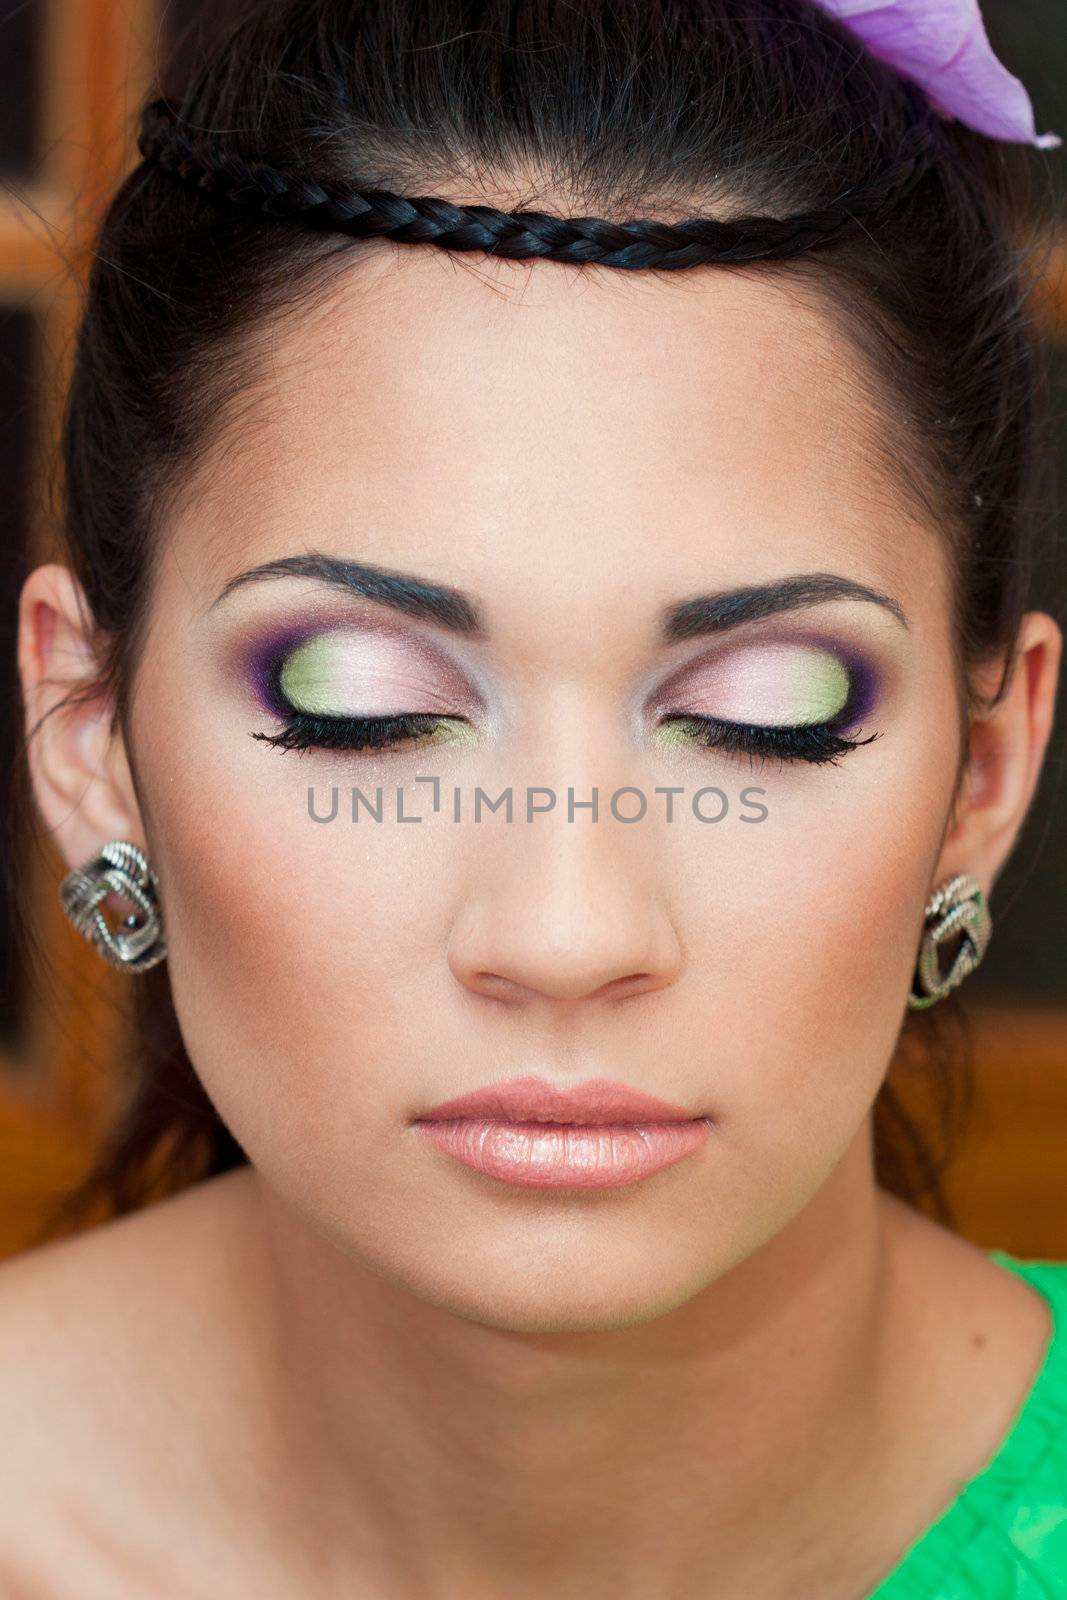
pixel 815 742
pixel 306 731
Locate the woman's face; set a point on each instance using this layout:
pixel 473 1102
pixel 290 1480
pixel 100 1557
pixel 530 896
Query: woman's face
pixel 580 456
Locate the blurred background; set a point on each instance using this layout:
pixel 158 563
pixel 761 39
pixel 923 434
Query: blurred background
pixel 72 73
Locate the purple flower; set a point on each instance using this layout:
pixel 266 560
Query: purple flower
pixel 943 45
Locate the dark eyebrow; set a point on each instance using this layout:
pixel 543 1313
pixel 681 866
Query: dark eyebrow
pixel 435 602
pixel 711 613
pixel 453 609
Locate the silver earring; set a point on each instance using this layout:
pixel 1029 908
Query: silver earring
pixel 122 868
pixel 958 906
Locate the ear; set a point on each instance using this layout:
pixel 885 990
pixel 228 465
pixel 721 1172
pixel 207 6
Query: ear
pixel 80 775
pixel 1007 749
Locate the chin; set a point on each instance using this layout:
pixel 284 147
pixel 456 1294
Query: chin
pixel 558 1294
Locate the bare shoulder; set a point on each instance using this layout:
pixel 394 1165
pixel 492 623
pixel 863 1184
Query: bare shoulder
pixel 87 1325
pixel 67 1303
pixel 981 1329
pixel 951 1271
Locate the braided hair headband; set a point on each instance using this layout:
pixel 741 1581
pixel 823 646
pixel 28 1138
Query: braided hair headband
pixel 426 219
pixel 939 48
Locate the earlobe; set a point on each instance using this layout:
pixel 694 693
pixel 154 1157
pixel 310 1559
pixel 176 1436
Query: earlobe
pixel 1007 751
pixel 80 774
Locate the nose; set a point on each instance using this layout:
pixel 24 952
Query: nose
pixel 566 912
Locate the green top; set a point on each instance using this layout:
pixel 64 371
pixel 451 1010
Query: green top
pixel 1004 1536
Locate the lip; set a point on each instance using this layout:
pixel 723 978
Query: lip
pixel 596 1134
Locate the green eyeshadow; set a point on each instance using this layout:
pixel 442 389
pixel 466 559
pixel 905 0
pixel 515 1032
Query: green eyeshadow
pixel 772 685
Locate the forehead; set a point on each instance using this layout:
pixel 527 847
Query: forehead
pixel 474 410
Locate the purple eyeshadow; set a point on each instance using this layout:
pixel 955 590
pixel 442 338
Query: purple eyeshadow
pixel 267 656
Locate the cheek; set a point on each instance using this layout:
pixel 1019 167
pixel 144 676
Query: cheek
pixel 807 932
pixel 303 958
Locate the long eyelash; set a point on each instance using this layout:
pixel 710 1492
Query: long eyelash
pixel 815 741
pixel 307 732
pixel 812 742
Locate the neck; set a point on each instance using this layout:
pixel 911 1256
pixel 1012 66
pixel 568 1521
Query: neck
pixel 715 1448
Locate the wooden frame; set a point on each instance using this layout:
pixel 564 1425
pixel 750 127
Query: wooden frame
pixel 97 59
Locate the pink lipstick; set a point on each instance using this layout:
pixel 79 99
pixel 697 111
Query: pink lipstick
pixel 592 1135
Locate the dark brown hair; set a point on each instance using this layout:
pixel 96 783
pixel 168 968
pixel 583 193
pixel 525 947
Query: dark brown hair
pixel 314 123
